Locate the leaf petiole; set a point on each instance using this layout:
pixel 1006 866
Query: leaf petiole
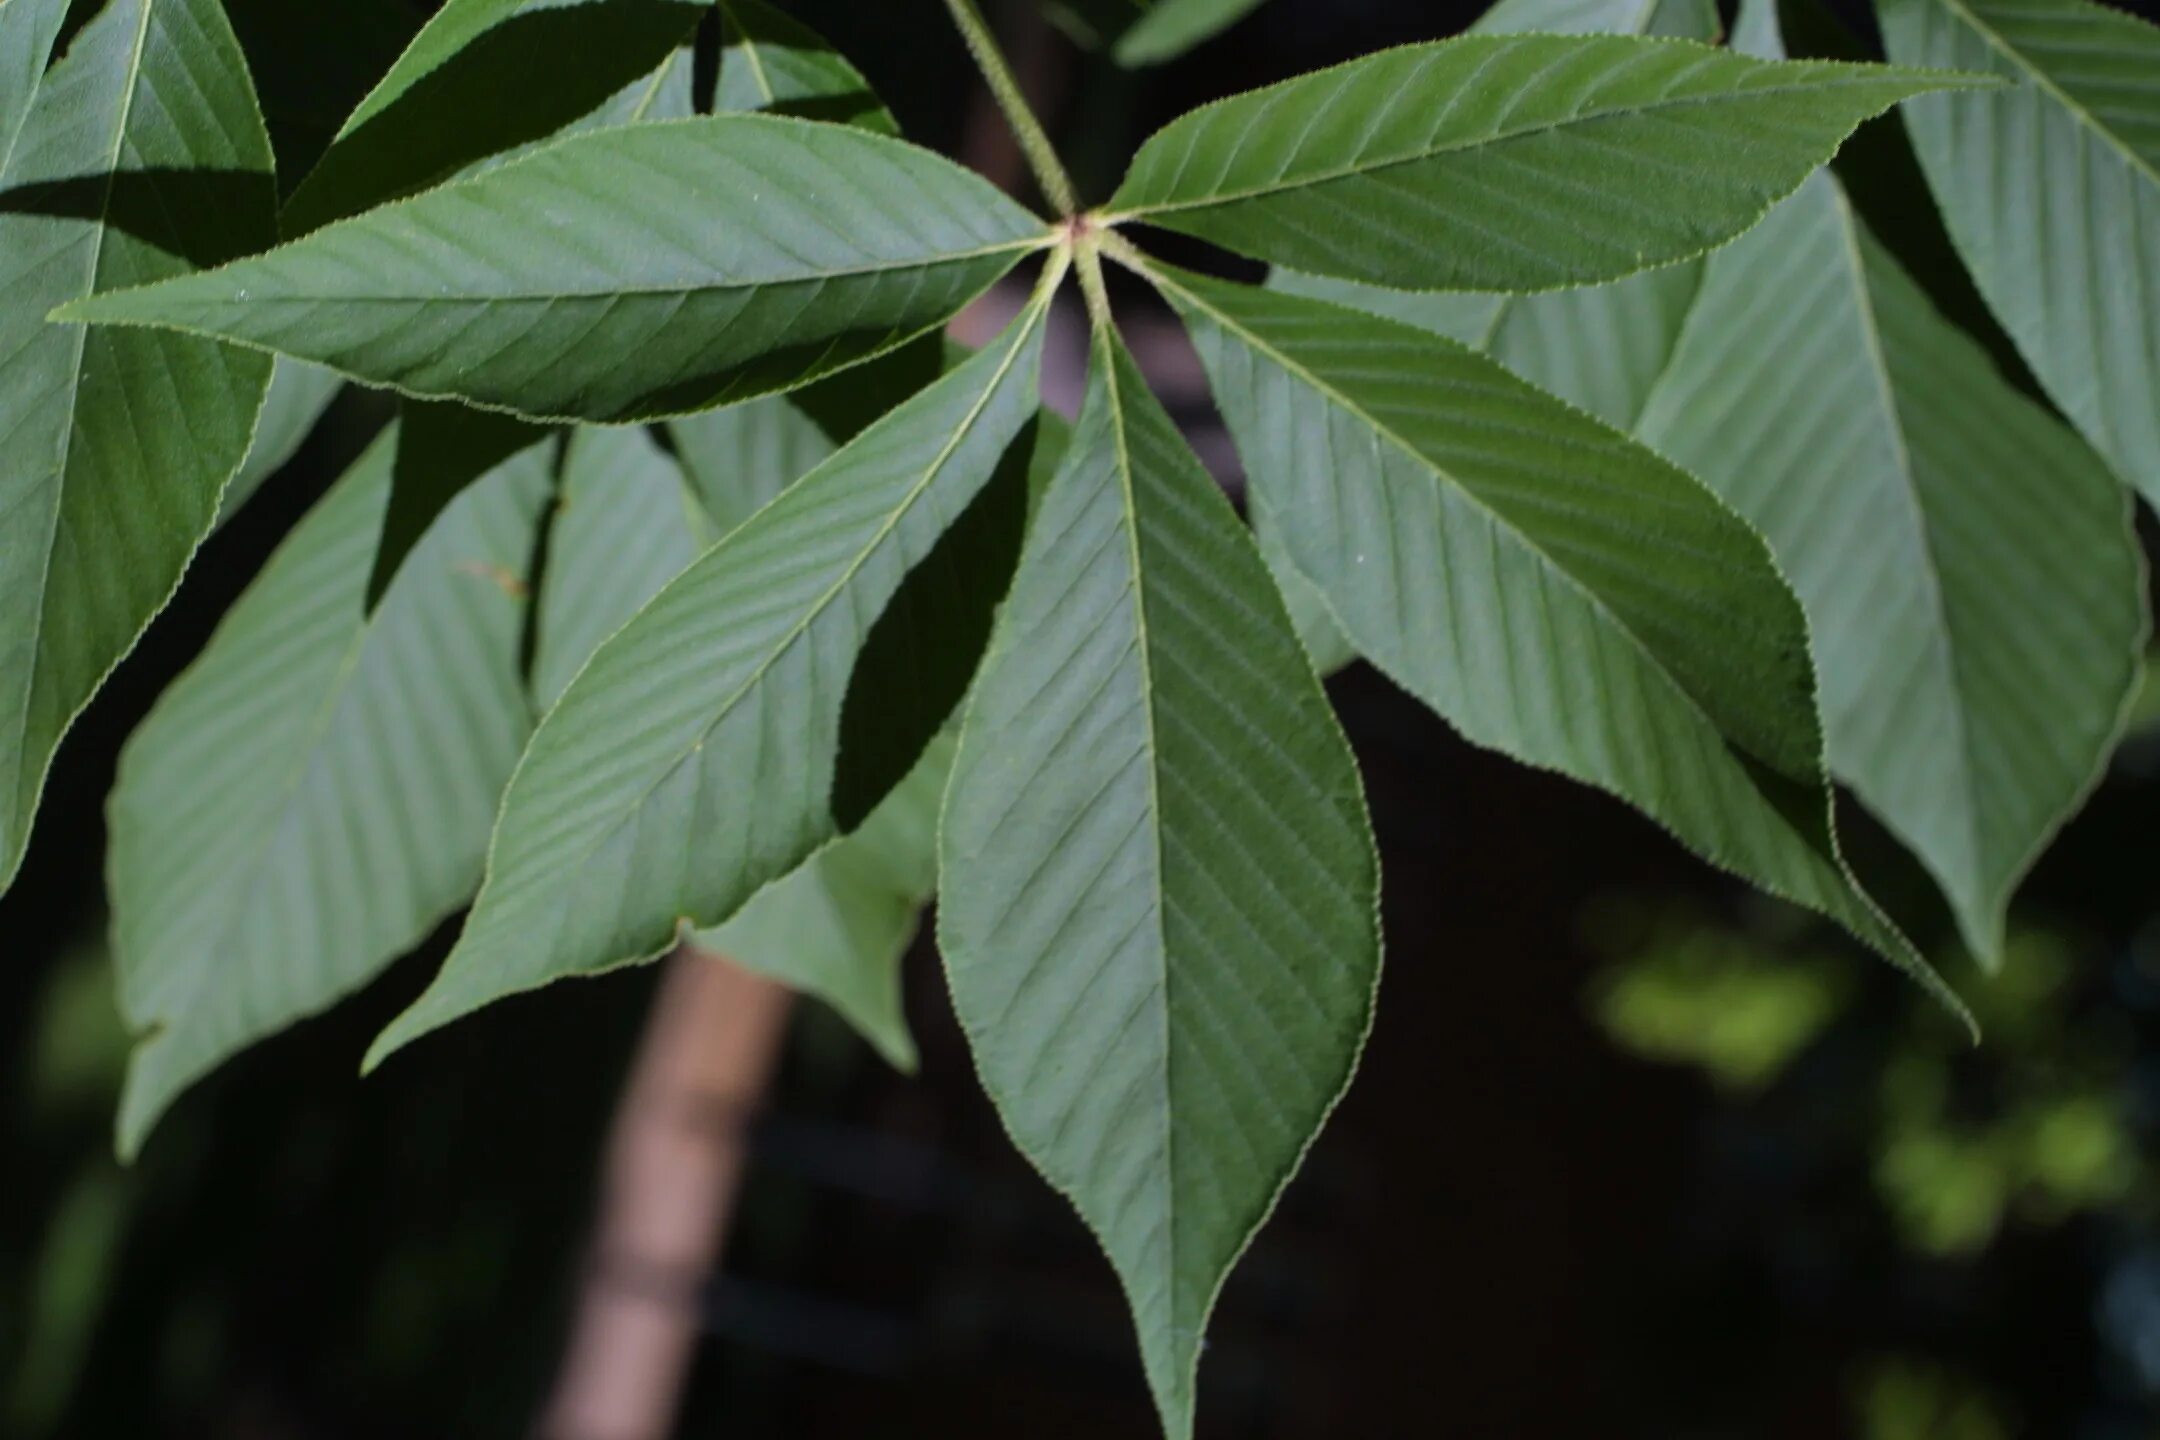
pixel 1042 157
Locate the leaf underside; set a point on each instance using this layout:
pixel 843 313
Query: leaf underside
pixel 2050 189
pixel 544 67
pixel 699 755
pixel 1157 872
pixel 771 63
pixel 314 794
pixel 140 153
pixel 1553 589
pixel 296 399
pixel 1504 162
pixel 1970 578
pixel 589 280
pixel 1169 28
pixel 1967 562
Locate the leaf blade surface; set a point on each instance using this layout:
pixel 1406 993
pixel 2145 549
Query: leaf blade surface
pixel 314 794
pixel 1504 162
pixel 629 274
pixel 1158 882
pixel 1551 588
pixel 660 796
pixel 2050 189
pixel 141 152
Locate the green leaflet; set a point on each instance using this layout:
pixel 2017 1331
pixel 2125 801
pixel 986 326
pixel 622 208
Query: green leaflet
pixel 742 254
pixel 1324 641
pixel 1159 887
pixel 1551 588
pixel 487 76
pixel 1094 24
pixel 625 525
pixel 441 449
pixel 740 458
pixel 140 153
pixel 1971 584
pixel 1169 28
pixel 771 63
pixel 322 781
pixel 313 63
pixel 1504 162
pixel 1968 566
pixel 759 705
pixel 444 446
pixel 1600 346
pixel 314 794
pixel 28 31
pixel 1677 19
pixel 297 397
pixel 2051 192
pixel 838 927
pixel 1967 562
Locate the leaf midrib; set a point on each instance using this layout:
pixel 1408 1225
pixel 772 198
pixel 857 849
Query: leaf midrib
pixel 79 340
pixel 1945 645
pixel 750 52
pixel 1998 42
pixel 1352 171
pixel 1143 644
pixel 520 297
pixel 1477 502
pixel 811 612
pixel 654 84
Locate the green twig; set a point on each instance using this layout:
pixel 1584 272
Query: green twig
pixel 1041 157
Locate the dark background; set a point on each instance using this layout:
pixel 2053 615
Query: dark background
pixel 1518 1224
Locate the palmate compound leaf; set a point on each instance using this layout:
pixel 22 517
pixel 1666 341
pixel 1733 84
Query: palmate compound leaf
pixel 1971 582
pixel 2050 189
pixel 763 703
pixel 1551 588
pixel 486 78
pixel 1505 162
pixel 314 794
pixel 635 272
pixel 140 155
pixel 1159 888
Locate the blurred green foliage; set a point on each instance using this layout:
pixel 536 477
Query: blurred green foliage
pixel 2033 1126
pixel 1907 1400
